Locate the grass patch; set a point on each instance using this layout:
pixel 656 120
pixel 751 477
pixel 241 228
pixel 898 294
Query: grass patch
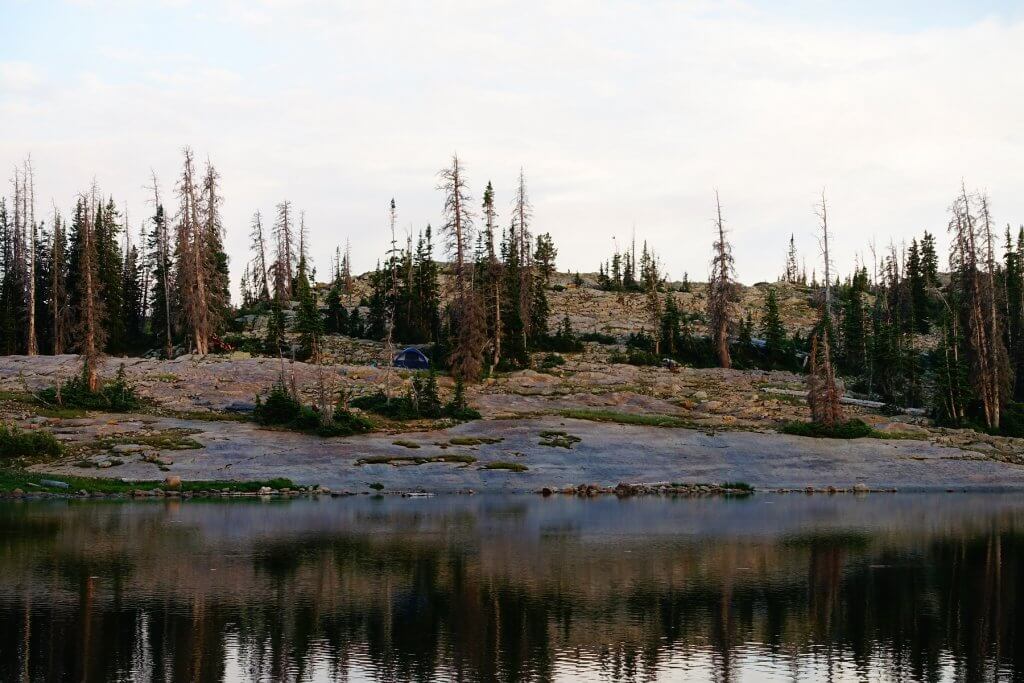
pixel 505 465
pixel 201 415
pixel 737 485
pixel 461 458
pixel 174 439
pixel 20 443
pixel 625 418
pixel 851 429
pixel 406 444
pixel 558 439
pixel 12 478
pixel 474 440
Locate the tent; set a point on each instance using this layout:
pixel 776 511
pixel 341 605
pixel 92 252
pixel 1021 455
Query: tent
pixel 413 359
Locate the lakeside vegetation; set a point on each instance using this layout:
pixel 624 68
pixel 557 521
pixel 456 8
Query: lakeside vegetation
pixel 898 329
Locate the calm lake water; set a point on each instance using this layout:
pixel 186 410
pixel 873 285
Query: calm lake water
pixel 885 587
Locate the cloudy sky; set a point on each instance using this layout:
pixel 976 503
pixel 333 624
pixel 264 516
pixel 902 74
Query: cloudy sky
pixel 621 114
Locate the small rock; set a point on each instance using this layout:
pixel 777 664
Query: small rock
pixel 860 488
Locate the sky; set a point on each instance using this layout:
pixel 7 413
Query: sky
pixel 623 115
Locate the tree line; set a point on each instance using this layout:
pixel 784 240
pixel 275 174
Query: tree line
pixel 81 283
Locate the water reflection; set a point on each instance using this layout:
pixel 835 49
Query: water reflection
pixel 896 587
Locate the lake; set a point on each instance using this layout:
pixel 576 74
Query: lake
pixel 771 587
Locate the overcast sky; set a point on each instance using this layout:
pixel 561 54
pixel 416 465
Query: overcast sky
pixel 621 114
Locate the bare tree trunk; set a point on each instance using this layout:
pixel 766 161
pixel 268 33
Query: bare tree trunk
pixel 90 350
pixel 720 290
pixel 389 348
pixel 30 214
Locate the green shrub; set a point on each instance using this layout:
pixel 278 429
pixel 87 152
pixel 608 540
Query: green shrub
pixel 116 396
pixel 635 357
pixel 851 429
pixel 599 337
pixel 279 407
pixel 18 443
pixel 551 360
pixel 421 402
pixel 344 423
pixel 458 408
pixel 282 409
pixel 1012 420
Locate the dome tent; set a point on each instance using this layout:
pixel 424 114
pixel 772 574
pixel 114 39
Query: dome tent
pixel 412 359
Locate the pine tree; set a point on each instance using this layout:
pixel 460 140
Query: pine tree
pixel 337 314
pixel 856 332
pixel 11 286
pixel 513 326
pixel 917 281
pixel 670 342
pixel 426 291
pixel 163 303
pixel 792 274
pixel 59 312
pixel 132 300
pixel 773 331
pixel 489 276
pixel 308 321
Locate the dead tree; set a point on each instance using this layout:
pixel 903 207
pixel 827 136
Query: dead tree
pixel 29 215
pixel 91 333
pixel 972 258
pixel 192 270
pixel 391 302
pixel 58 288
pixel 721 289
pixel 259 247
pixel 284 266
pixel 522 213
pixel 467 320
pixel 822 395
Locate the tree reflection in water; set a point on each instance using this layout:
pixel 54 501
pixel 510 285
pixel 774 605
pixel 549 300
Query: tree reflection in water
pixel 491 588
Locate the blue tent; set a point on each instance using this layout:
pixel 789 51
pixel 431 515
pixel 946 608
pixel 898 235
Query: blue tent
pixel 413 359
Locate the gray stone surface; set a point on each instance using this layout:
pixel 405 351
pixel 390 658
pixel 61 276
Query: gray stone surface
pixel 607 454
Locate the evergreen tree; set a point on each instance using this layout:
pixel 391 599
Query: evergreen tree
pixel 856 344
pixel 426 292
pixel 774 332
pixel 163 302
pixel 917 281
pixel 308 321
pixel 513 327
pixel 670 341
pixel 544 256
pixel 132 300
pixel 337 314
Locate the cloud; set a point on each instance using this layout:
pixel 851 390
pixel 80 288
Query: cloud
pixel 19 76
pixel 620 114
